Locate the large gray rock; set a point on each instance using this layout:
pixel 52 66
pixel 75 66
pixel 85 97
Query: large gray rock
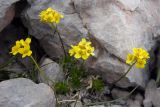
pixel 23 92
pixel 7 12
pixel 52 70
pixel 116 26
pixel 152 95
pixel 71 27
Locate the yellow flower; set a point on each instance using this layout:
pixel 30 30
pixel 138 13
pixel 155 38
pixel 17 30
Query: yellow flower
pixel 83 43
pixel 139 56
pixel 140 53
pixel 50 16
pixel 22 47
pixel 83 50
pixel 90 50
pixel 130 59
pixel 25 51
pixel 25 42
pixel 73 50
pixel 140 63
pixel 15 49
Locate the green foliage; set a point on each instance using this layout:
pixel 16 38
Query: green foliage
pixel 74 70
pixel 76 74
pixel 97 85
pixel 61 87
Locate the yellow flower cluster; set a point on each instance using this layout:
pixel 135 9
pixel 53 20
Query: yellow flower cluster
pixel 139 57
pixel 83 50
pixel 22 47
pixel 50 16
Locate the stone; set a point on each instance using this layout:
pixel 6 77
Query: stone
pixel 23 92
pixel 78 104
pixel 7 12
pixel 116 26
pixel 152 95
pixel 117 93
pixel 52 70
pixel 139 98
pixel 116 106
pixel 132 103
pixel 97 106
pixel 109 105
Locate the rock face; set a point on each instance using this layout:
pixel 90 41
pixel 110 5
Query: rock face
pixel 22 92
pixel 116 26
pixel 52 70
pixel 7 12
pixel 152 95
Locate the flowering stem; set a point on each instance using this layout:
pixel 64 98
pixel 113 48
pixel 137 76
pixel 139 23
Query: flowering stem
pixel 105 102
pixel 55 28
pixel 67 101
pixel 124 74
pixel 77 99
pixel 39 69
pixel 42 73
pixel 158 77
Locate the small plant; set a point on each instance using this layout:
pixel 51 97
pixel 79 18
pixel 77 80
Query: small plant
pixel 61 87
pixel 97 85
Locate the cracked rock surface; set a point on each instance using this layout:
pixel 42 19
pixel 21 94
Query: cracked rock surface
pixel 116 26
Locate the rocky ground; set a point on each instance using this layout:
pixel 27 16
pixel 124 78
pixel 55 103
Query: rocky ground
pixel 116 26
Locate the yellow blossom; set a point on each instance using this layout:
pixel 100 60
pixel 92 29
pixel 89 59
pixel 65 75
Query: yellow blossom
pixel 130 59
pixel 139 56
pixel 140 63
pixel 25 42
pixel 50 16
pixel 73 50
pixel 15 49
pixel 22 47
pixel 140 53
pixel 82 50
pixel 25 51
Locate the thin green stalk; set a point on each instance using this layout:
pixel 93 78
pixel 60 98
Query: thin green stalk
pixel 124 74
pixel 105 102
pixel 77 99
pixel 55 28
pixel 158 77
pixel 44 75
pixel 39 69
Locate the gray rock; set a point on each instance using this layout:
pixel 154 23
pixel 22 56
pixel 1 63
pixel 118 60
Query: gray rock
pixel 78 104
pixel 117 93
pixel 115 106
pixel 97 106
pixel 106 106
pixel 116 28
pixel 132 103
pixel 7 12
pixel 152 95
pixel 52 70
pixel 23 92
pixel 139 98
